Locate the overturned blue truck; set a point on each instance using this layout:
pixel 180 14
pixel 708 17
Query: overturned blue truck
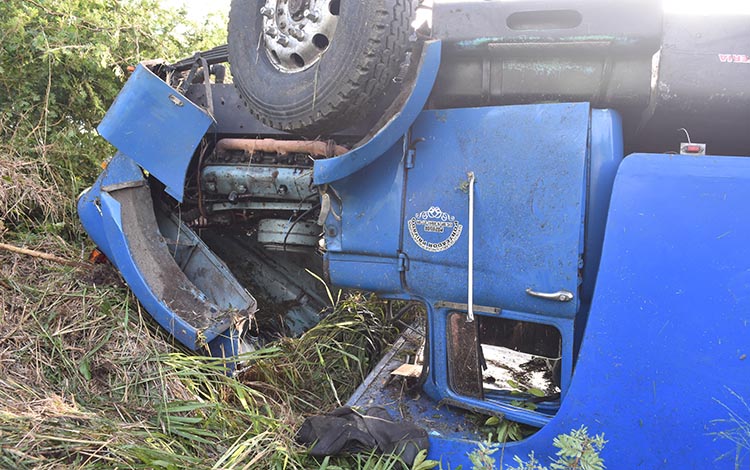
pixel 562 186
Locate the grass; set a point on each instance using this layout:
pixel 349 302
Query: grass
pixel 735 428
pixel 88 380
pixel 319 370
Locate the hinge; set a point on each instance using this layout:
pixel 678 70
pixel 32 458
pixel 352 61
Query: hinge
pixel 411 156
pixel 403 262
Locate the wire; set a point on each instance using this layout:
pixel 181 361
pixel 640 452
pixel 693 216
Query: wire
pixel 686 133
pixel 296 221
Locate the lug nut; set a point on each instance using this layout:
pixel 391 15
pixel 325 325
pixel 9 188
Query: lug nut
pixel 271 32
pixel 297 34
pixel 283 41
pixel 312 15
pixel 267 12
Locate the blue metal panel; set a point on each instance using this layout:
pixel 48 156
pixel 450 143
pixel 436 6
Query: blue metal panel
pixel 120 171
pixel 376 274
pixel 119 253
pixel 334 169
pixel 666 345
pixel 530 165
pixel 102 217
pixel 371 203
pixel 157 127
pixel 606 156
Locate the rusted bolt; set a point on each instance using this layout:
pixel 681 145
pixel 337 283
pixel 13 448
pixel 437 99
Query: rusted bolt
pixel 332 232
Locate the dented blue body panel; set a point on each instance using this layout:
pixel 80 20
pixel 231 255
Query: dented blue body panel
pixel 103 217
pixel 157 127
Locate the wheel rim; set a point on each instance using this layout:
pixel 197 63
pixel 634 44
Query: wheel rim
pixel 296 33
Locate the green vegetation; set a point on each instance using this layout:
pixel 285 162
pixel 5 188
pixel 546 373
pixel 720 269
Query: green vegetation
pixel 577 451
pixel 62 62
pixel 87 380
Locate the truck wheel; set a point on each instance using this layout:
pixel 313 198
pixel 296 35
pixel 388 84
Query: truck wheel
pixel 316 66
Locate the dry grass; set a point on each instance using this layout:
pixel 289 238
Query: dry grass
pixel 27 188
pixel 87 380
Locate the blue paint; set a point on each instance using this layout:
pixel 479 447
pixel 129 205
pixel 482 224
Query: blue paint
pixel 102 217
pixel 157 127
pixel 530 166
pixel 120 170
pixel 373 206
pixel 334 169
pixel 120 255
pixel 536 168
pixel 669 323
pixel 606 156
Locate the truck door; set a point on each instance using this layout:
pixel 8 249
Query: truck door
pixel 530 165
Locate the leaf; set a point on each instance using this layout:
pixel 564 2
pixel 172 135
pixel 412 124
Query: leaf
pixel 421 462
pixel 83 368
pixel 536 392
pixel 492 421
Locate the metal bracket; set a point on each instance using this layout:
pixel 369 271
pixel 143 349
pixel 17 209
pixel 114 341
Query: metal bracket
pixel 411 156
pixel 403 262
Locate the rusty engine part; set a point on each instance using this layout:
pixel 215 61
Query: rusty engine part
pixel 283 147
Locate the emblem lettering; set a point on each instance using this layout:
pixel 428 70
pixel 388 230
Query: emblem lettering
pixel 434 221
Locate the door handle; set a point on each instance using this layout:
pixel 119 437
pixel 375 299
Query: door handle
pixel 559 296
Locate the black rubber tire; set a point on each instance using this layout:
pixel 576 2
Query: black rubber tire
pixel 352 77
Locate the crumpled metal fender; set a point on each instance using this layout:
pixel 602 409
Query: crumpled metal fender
pixel 410 103
pixel 118 214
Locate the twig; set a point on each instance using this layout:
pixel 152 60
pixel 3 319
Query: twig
pixel 41 255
